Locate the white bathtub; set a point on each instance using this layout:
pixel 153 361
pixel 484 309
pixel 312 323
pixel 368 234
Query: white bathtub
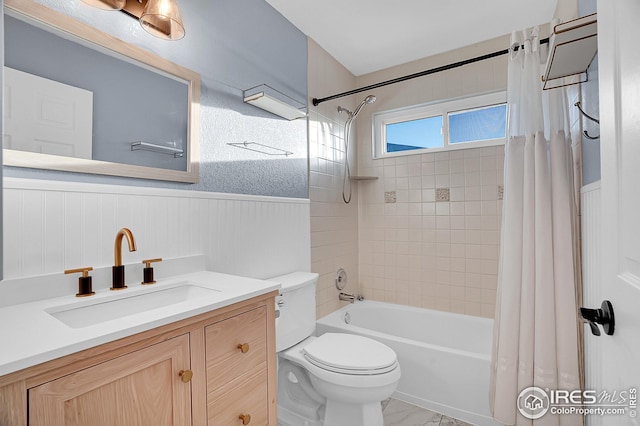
pixel 444 357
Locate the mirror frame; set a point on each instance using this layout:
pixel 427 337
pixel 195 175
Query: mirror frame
pixel 69 25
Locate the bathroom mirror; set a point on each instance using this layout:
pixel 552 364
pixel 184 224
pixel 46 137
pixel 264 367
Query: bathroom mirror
pixel 77 99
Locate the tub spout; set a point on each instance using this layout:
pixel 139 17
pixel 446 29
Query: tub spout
pixel 347 297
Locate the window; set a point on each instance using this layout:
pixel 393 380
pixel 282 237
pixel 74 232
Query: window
pixel 462 123
pixel 414 134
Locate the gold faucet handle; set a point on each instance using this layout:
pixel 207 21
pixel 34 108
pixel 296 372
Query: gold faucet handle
pixel 148 262
pixel 84 271
pixel 147 273
pixel 84 282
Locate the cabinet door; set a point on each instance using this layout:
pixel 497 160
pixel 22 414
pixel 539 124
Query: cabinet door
pixel 138 389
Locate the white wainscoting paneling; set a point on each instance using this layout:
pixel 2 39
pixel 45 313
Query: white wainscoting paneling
pixel 50 226
pixel 591 276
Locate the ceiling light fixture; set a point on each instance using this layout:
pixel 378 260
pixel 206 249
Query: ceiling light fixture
pixel 160 18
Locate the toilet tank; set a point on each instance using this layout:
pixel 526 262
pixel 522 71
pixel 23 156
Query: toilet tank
pixel 295 308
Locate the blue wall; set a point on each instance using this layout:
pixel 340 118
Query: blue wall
pixel 1 112
pixel 590 103
pixel 234 45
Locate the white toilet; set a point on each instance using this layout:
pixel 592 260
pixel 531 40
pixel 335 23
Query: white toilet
pixel 332 380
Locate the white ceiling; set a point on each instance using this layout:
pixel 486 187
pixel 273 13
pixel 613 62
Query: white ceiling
pixel 369 35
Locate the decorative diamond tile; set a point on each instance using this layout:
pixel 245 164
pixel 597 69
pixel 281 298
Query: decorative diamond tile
pixel 500 192
pixel 442 194
pixel 390 196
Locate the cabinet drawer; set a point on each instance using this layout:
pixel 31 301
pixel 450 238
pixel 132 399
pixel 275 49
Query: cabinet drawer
pixel 225 359
pixel 248 398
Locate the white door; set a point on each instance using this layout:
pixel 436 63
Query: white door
pixel 45 116
pixel 619 91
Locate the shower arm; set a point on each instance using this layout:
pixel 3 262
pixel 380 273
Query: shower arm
pixel 352 115
pixel 341 109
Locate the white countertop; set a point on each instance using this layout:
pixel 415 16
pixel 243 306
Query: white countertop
pixel 29 335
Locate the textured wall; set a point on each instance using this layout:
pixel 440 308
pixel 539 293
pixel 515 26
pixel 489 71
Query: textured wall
pixel 234 45
pixel 590 103
pixel 1 128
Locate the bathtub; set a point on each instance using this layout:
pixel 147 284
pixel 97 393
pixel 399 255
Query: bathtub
pixel 444 357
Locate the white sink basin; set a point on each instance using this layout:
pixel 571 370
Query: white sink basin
pixel 80 314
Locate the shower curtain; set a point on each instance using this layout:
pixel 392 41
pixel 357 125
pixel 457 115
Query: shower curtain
pixel 536 329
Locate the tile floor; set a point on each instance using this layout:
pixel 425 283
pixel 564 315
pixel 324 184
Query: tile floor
pixel 399 413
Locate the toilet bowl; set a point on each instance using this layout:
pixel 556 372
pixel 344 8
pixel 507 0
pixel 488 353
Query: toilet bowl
pixel 331 380
pixel 353 373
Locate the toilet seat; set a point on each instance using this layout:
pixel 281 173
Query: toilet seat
pixel 350 354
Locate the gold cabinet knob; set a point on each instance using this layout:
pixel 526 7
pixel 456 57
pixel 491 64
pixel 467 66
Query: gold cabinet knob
pixel 186 375
pixel 244 348
pixel 246 418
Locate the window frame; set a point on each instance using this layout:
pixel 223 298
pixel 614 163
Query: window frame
pixel 381 119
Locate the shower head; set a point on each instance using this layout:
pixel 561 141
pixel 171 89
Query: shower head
pixel 346 183
pixel 368 100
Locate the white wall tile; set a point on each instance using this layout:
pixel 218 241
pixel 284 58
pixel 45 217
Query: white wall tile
pixel 416 250
pixel 334 228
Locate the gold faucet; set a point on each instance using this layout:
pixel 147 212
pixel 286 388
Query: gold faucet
pixel 118 282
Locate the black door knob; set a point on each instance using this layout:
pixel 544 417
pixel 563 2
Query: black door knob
pixel 603 316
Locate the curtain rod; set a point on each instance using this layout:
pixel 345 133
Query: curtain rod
pixel 317 101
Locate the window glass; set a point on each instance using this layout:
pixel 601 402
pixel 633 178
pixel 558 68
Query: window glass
pixel 414 134
pixel 478 124
pixel 471 122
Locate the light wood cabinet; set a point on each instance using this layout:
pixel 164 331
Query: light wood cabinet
pixel 236 351
pixel 140 388
pixel 137 381
pixel 245 403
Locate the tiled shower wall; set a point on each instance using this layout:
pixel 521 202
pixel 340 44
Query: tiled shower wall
pixel 430 226
pixel 334 224
pixel 437 245
pixel 427 232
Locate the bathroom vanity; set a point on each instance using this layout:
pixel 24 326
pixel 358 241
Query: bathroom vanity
pixel 207 361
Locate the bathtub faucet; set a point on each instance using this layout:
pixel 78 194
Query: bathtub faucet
pixel 347 297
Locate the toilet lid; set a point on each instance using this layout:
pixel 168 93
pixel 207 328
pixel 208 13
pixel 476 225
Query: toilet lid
pixel 350 354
